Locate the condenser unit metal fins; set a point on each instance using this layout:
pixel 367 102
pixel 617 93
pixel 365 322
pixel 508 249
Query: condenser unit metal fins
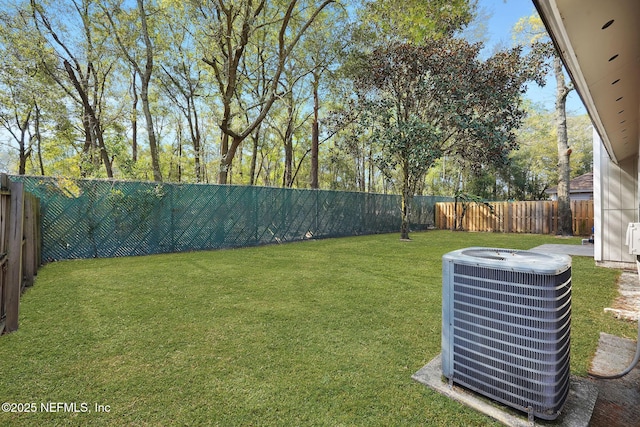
pixel 506 326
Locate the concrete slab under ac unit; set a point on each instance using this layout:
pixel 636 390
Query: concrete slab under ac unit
pixel 576 412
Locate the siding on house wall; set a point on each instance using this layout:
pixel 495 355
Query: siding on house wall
pixel 575 196
pixel 615 204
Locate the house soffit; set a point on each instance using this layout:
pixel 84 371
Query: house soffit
pixel 599 42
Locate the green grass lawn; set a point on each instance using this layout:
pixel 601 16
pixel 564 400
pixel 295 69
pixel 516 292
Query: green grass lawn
pixel 316 333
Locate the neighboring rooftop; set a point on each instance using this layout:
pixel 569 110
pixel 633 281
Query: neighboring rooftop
pixel 581 185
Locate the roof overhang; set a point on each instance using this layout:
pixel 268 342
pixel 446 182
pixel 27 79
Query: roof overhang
pixel 599 43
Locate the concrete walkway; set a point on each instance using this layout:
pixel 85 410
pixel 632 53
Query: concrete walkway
pixel 573 250
pixel 618 402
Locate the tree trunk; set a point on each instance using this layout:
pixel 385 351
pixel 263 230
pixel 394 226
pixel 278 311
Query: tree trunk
pixel 225 160
pixel 362 166
pixel 146 79
pixel 88 149
pixel 38 136
pixel 315 138
pixel 197 144
pixel 228 153
pixel 153 144
pixel 22 167
pixel 22 142
pixel 565 217
pixel 372 184
pixel 254 157
pixel 90 121
pixel 455 214
pixel 405 203
pixel 288 164
pixel 134 119
pixel 314 154
pixel 287 178
pixel 179 171
pixel 103 152
pixel 90 111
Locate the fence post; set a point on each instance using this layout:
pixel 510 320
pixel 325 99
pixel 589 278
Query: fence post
pixel 29 249
pixel 13 287
pixel 5 196
pixel 504 212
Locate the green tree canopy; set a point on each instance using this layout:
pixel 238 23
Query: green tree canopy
pixel 439 98
pixel 416 20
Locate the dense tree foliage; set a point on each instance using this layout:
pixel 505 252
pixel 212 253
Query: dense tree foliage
pixel 422 102
pixel 291 93
pixel 532 167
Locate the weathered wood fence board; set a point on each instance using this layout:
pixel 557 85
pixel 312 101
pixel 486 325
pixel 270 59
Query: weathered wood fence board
pixel 538 217
pixel 19 248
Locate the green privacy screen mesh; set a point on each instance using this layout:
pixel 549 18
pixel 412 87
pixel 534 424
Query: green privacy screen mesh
pixel 98 218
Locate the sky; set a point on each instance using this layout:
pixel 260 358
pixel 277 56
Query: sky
pixel 501 16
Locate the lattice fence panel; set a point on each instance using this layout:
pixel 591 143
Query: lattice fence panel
pixel 100 218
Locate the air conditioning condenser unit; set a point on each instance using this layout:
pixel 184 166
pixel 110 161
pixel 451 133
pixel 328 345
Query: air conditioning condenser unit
pixel 506 323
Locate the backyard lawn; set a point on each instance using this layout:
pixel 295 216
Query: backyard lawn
pixel 318 333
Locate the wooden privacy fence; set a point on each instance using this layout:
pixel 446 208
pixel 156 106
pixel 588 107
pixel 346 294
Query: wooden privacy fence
pixel 538 217
pixel 19 248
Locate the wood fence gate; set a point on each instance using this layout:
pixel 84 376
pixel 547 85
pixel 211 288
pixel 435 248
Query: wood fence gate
pixel 539 217
pixel 19 248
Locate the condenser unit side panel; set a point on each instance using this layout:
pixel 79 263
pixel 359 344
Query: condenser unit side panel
pixel 447 318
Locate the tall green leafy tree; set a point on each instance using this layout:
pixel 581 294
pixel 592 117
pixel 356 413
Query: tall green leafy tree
pixel 535 162
pixel 440 99
pixel 82 70
pixel 532 28
pixel 183 83
pixel 324 45
pixel 304 82
pixel 133 36
pixel 230 28
pixel 532 166
pixel 21 78
pixel 382 23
